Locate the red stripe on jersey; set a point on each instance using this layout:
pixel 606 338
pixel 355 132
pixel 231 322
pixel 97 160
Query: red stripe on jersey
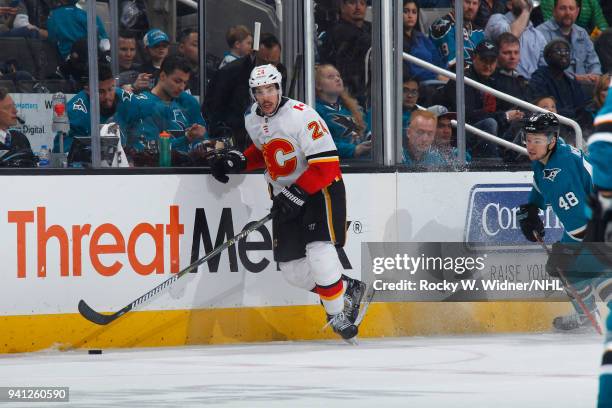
pixel 255 159
pixel 319 175
pixel 331 292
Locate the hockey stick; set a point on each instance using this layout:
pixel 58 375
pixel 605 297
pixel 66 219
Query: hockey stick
pixel 103 319
pixel 569 287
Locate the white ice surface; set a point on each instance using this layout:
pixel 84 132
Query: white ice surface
pixel 493 371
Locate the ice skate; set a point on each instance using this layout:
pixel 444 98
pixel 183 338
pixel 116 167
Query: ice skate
pixel 353 295
pixel 574 321
pixel 342 326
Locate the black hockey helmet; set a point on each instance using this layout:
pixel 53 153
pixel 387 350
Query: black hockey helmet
pixel 546 123
pixel 542 123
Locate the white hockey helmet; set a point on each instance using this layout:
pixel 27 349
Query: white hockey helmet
pixel 266 75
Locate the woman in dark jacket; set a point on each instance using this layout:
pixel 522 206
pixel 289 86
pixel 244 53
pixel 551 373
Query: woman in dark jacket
pixel 418 45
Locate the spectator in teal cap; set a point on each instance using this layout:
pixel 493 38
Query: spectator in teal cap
pixel 156 43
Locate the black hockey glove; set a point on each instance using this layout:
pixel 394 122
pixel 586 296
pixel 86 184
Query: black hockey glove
pixel 288 204
pixel 224 163
pixel 530 221
pixel 562 257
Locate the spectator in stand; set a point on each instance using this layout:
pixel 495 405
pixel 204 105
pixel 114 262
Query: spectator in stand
pixel 346 46
pixel 420 135
pixel 516 21
pixel 342 114
pixel 486 10
pixel 188 48
pixel 553 80
pixel 126 52
pixel 15 21
pixel 444 142
pixel 156 44
pixel 442 33
pixel 11 139
pixel 584 62
pixel 240 42
pixel 506 77
pixel 68 23
pixel 228 96
pixel 481 108
pixel 130 77
pixel 410 96
pixel 590 14
pixel 418 45
pixel 11 70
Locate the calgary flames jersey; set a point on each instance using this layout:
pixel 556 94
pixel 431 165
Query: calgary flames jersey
pixel 291 140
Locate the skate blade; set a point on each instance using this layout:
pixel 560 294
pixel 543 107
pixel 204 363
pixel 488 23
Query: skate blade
pixel 363 307
pixel 352 341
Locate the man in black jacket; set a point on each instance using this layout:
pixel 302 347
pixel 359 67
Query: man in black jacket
pixel 346 46
pixel 506 78
pixel 480 107
pixel 553 80
pixel 12 141
pixel 227 94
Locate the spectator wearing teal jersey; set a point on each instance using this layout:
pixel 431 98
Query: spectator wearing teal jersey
pixel 342 114
pixel 68 23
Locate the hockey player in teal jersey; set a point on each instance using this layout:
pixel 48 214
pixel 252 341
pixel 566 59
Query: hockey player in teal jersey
pixel 169 108
pixel 561 179
pixel 600 230
pixel 116 105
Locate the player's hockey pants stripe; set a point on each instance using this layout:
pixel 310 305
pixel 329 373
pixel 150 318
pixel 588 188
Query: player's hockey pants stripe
pixel 328 210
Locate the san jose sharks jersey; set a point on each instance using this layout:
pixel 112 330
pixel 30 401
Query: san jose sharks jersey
pixel 442 34
pixel 126 114
pixel 564 183
pixel 342 127
pixel 600 147
pixel 291 140
pixel 600 155
pixel 174 117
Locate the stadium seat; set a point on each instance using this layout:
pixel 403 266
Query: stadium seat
pixel 46 58
pixel 8 84
pixel 57 85
pixel 26 86
pixel 17 48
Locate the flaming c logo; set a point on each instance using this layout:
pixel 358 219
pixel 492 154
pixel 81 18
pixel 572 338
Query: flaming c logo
pixel 276 154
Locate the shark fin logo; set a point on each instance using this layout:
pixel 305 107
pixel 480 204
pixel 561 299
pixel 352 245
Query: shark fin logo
pixel 550 174
pixel 79 105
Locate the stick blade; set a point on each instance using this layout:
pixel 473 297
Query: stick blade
pixel 98 318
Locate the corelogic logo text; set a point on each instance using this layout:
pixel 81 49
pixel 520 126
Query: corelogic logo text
pixel 491 219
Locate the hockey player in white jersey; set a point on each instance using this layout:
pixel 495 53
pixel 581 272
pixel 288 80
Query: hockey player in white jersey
pixel 293 144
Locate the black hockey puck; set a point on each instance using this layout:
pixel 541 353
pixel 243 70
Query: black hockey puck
pixel 94 351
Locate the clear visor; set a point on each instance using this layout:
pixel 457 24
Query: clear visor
pixel 268 90
pixel 536 138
